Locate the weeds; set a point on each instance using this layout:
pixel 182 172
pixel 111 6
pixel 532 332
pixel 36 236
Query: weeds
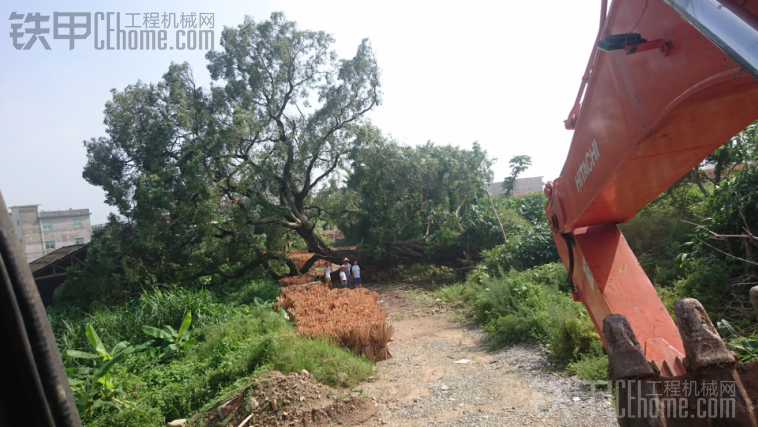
pixel 93 386
pixel 450 293
pixel 589 368
pixel 745 347
pixel 234 342
pixel 173 341
pixel 527 306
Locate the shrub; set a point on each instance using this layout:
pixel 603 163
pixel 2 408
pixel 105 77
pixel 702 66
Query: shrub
pixel 509 294
pixel 576 337
pixel 265 289
pixel 133 417
pixel 591 368
pixel 657 233
pixel 706 280
pixel 532 305
pixel 527 247
pixel 530 206
pixel 450 293
pixel 553 276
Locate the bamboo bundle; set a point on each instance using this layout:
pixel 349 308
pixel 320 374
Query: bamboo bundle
pixel 350 317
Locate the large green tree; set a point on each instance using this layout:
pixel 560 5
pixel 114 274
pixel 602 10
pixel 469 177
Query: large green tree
pixel 416 202
pixel 212 182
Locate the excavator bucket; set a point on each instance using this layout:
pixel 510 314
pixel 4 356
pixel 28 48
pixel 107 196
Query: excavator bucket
pixel 715 390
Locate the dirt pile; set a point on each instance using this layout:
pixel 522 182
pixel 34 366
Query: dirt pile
pixel 288 400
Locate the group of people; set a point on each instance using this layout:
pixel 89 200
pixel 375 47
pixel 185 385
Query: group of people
pixel 350 275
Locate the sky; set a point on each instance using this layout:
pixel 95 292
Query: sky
pixel 504 74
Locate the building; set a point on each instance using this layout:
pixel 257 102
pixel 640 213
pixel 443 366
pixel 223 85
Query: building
pixel 41 232
pixel 523 186
pixel 49 272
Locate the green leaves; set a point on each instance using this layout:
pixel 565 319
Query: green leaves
pixel 185 325
pixel 745 347
pixel 94 387
pixel 726 329
pixel 419 193
pixel 210 182
pixel 157 333
pixel 83 355
pixel 518 165
pixel 173 341
pixel 96 343
pixel 121 348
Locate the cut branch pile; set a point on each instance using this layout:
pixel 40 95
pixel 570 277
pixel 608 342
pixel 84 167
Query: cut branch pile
pixel 297 280
pixel 300 257
pixel 350 317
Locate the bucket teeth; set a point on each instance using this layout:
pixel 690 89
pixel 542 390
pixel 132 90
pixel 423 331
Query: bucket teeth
pixel 626 358
pixel 702 344
pixel 645 391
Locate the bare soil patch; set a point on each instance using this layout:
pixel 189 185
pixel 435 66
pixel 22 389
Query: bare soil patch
pixel 423 384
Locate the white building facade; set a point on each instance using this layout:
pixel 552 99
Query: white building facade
pixel 522 186
pixel 41 232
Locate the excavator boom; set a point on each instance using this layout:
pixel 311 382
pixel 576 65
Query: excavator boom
pixel 668 82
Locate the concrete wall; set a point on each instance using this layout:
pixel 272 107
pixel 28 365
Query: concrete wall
pixel 528 185
pixel 523 186
pixel 31 238
pixel 64 233
pixel 27 223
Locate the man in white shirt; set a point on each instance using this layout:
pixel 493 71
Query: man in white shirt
pixel 343 277
pixel 356 274
pixel 327 275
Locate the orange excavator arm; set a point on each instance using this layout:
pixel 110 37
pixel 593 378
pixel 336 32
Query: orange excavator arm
pixel 668 82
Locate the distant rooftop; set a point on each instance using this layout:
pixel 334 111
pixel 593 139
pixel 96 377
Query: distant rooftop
pixel 53 256
pixel 23 206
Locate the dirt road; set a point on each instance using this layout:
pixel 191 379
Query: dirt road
pixel 424 385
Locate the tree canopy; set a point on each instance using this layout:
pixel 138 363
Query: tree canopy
pixel 212 182
pixel 414 199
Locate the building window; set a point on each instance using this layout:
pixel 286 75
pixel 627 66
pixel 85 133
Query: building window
pixel 80 240
pixel 50 245
pixel 47 225
pixel 77 223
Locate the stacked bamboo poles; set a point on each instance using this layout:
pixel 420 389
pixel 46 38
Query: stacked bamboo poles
pixel 350 317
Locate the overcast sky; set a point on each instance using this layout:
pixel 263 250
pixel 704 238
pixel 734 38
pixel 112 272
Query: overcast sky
pixel 501 73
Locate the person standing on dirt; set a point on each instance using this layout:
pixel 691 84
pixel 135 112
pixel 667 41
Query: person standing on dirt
pixel 343 277
pixel 327 275
pixel 346 265
pixel 356 270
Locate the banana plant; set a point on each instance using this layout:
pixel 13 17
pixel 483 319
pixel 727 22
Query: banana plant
pixel 94 387
pixel 173 341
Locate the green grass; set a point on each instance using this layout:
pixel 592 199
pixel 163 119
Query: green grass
pixel 234 342
pixel 593 368
pixel 528 306
pixel 450 293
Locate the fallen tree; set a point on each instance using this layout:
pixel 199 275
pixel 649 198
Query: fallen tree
pixel 214 184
